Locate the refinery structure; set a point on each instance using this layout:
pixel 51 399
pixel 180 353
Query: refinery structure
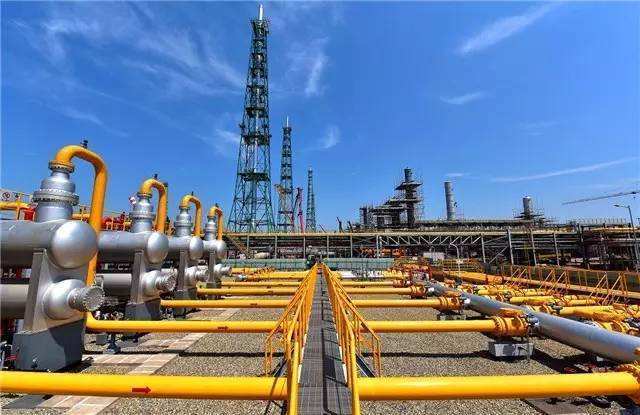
pixel 263 310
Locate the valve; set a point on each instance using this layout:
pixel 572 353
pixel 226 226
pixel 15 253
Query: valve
pixel 66 298
pixel 512 322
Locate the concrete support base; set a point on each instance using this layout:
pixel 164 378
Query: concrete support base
pixel 450 315
pixel 149 310
pixel 186 294
pixel 49 350
pixel 509 348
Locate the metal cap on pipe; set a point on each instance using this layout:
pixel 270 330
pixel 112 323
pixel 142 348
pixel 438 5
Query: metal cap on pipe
pixel 64 299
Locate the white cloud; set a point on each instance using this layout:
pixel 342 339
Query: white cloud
pixel 224 142
pixel 331 138
pixel 464 99
pixel 537 128
pixel 564 172
pixel 455 175
pixel 308 63
pixel 504 28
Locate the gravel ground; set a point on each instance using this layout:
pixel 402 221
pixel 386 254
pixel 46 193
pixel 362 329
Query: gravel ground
pixel 214 355
pixel 457 354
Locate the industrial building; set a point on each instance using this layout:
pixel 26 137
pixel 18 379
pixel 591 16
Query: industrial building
pixel 133 312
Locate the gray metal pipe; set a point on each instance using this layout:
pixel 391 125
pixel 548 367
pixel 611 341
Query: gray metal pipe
pixel 217 247
pixel 118 246
pixel 154 282
pixel 13 300
pixel 69 243
pixel 615 346
pixel 192 244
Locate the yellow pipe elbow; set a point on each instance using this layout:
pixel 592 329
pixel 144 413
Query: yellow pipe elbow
pixel 161 211
pixel 184 203
pixel 217 212
pixel 63 158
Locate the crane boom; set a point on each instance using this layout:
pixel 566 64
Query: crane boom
pixel 588 199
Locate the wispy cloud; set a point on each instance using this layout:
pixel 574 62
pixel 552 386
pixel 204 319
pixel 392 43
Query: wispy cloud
pixel 308 62
pixel 564 172
pixel 536 128
pixel 331 138
pixel 455 175
pixel 464 99
pixel 504 28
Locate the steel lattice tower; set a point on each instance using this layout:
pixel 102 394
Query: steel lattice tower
pixel 285 188
pixel 311 204
pixel 252 210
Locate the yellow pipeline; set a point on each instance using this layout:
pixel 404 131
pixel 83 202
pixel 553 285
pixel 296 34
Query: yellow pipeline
pixel 217 212
pixel 412 290
pixel 161 211
pixel 63 158
pixel 184 203
pixel 16 206
pixel 497 387
pixel 368 283
pixel 501 326
pixel 260 284
pixel 439 303
pixel 144 386
pixel 246 291
pixel 180 326
pixel 224 303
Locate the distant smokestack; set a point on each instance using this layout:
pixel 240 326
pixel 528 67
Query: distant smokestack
pixel 527 207
pixel 408 175
pixel 451 204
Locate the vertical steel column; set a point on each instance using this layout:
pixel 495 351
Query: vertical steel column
pixel 533 248
pixel 377 246
pixel 327 255
pixel 351 246
pixel 555 248
pixel 484 258
pixel 275 247
pixel 304 247
pixel 510 246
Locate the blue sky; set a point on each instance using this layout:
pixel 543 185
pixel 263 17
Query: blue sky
pixel 505 99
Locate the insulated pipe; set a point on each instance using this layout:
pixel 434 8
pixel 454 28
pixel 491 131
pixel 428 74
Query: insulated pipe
pixel 13 300
pixel 502 326
pixel 216 212
pixel 144 386
pixel 224 303
pixel 161 215
pixel 179 326
pixel 154 282
pixel 193 245
pixel 184 204
pixel 63 159
pixel 615 346
pixel 246 291
pixel 70 244
pixel 497 387
pixel 119 246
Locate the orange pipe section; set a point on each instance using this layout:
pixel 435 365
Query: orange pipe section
pixel 63 158
pixel 184 203
pixel 247 291
pixel 161 211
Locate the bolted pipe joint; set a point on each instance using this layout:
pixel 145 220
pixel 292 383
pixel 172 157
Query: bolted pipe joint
pixel 69 298
pixel 220 271
pixel 141 214
pixel 512 323
pixel 56 197
pixel 196 274
pixel 417 291
pixel 157 281
pixel 182 224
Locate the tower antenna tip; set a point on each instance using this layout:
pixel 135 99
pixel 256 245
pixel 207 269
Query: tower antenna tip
pixel 287 122
pixel 260 13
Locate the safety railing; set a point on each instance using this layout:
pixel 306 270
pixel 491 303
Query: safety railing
pixel 289 335
pixel 354 334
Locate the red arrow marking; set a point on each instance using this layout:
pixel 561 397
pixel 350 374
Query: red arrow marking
pixel 146 389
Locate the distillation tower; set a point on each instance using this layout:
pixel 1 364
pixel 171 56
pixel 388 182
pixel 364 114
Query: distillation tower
pixel 252 210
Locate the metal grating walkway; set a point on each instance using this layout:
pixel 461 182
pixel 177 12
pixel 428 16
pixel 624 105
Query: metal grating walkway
pixel 323 387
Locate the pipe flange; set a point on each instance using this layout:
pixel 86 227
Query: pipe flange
pixel 55 195
pixel 61 166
